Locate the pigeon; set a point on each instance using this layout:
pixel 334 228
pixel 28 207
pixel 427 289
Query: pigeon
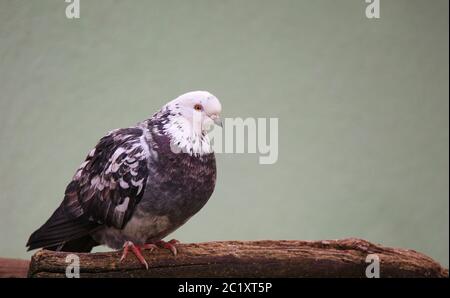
pixel 140 183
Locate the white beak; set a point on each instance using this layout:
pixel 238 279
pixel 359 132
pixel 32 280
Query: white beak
pixel 217 120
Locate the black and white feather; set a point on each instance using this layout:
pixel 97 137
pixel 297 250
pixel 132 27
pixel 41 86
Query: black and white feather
pixel 133 186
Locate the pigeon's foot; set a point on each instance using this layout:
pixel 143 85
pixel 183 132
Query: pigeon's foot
pixel 137 251
pixel 170 245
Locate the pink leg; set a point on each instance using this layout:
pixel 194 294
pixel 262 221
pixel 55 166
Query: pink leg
pixel 170 245
pixel 137 251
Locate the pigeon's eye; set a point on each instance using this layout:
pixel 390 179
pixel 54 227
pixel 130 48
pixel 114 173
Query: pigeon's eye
pixel 198 107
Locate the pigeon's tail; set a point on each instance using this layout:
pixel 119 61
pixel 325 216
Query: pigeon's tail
pixel 63 234
pixel 83 244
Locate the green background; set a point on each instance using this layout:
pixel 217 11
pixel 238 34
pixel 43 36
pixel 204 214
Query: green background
pixel 362 106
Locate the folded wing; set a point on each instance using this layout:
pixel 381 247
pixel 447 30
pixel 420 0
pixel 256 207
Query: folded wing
pixel 104 191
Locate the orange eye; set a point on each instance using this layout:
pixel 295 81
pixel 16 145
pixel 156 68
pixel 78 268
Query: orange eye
pixel 198 107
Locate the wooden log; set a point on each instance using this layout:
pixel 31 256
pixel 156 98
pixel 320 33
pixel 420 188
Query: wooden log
pixel 13 268
pixel 284 258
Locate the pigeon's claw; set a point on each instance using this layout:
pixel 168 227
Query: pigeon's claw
pixel 170 245
pixel 137 251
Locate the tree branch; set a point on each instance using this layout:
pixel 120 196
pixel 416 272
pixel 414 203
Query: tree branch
pixel 333 258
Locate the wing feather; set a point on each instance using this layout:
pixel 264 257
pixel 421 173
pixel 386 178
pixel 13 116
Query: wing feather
pixel 109 184
pixel 104 191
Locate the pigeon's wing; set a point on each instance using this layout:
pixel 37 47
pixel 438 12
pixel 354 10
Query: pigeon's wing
pixel 104 191
pixel 109 184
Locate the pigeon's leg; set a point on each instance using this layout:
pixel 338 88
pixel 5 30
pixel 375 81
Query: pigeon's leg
pixel 170 245
pixel 137 251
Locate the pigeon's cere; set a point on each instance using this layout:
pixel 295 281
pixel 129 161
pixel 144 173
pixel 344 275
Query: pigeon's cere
pixel 140 183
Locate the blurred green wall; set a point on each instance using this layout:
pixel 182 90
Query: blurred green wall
pixel 362 106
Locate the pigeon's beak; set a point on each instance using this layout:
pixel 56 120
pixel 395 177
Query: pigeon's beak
pixel 217 120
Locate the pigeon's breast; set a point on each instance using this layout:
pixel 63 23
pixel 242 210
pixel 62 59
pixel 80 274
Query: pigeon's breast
pixel 175 191
pixel 140 229
pixel 179 186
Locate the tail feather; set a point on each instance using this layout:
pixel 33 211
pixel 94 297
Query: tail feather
pixel 83 244
pixel 59 230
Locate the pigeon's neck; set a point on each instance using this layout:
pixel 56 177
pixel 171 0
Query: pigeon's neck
pixel 181 133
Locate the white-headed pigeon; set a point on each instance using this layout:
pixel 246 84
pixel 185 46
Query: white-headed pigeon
pixel 140 183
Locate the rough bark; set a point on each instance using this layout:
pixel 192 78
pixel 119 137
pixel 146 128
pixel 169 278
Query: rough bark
pixel 333 258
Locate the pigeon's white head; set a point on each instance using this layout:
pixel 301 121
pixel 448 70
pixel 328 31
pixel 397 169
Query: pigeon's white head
pixel 201 108
pixel 191 116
